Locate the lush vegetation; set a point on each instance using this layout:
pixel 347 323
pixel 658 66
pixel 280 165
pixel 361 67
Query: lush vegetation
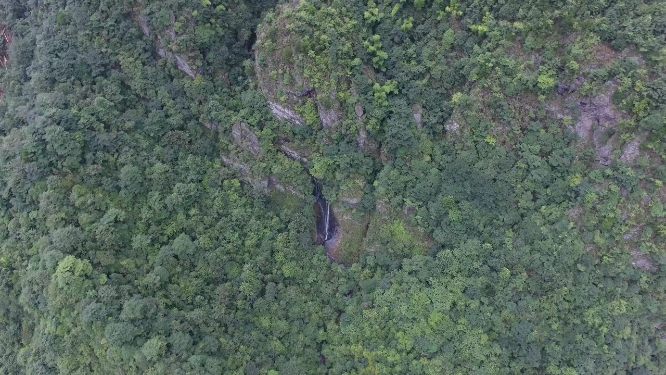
pixel 496 168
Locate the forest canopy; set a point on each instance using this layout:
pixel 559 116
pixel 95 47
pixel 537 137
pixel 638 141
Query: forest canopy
pixel 278 187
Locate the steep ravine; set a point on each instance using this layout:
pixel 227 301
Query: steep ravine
pixel 327 226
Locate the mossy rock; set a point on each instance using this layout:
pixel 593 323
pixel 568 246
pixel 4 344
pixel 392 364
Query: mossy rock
pixel 303 60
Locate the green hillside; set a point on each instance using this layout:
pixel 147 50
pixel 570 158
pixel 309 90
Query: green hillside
pixel 271 187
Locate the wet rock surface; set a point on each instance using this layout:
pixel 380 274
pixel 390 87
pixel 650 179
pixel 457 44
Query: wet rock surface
pixel 326 224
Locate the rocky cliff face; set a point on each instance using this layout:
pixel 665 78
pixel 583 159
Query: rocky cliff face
pixel 299 68
pixel 596 122
pixel 163 42
pixel 303 73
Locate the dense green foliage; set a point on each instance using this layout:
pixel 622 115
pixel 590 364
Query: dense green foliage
pixel 497 168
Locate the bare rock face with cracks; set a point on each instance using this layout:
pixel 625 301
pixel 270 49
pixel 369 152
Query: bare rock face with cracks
pixel 300 87
pixel 304 89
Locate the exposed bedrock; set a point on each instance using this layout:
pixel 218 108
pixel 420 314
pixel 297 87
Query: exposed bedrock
pixel 300 81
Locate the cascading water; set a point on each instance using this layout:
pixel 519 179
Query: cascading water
pixel 326 223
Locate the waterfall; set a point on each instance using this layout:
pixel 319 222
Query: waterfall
pixel 328 216
pixel 325 221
